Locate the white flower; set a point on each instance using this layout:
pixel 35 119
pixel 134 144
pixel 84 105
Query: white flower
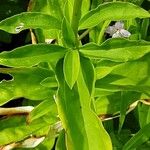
pixel 117 30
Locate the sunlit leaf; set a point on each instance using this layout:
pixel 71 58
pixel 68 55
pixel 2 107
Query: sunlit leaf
pixel 103 71
pixel 75 112
pixel 47 106
pixel 140 137
pixel 27 20
pixel 30 55
pixel 126 98
pixel 113 50
pixel 49 82
pixel 108 105
pixel 121 11
pixel 48 142
pixel 61 145
pixel 17 129
pixel 144 28
pixel 71 67
pixel 144 114
pixel 68 34
pixel 136 71
pixel 25 83
pixel 50 7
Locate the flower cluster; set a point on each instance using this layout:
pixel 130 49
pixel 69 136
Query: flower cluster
pixel 117 30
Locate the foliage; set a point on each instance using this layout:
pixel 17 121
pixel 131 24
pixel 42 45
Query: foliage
pixel 81 90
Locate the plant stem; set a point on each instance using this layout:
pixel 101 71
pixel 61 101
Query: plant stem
pixel 84 34
pixel 33 37
pixel 16 110
pixel 105 25
pixel 76 17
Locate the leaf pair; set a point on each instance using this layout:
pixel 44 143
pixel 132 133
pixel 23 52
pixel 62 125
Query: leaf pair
pixel 121 11
pixel 117 50
pixel 71 67
pixel 79 121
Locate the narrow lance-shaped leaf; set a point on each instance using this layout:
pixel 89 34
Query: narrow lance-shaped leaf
pixel 45 107
pixel 51 7
pixel 68 34
pixel 121 11
pixel 136 71
pixel 71 67
pixel 27 20
pixel 85 95
pixel 49 82
pixel 61 144
pixel 144 28
pixel 144 114
pixel 139 138
pixel 30 55
pixel 127 98
pixel 79 121
pixel 118 50
pixel 15 129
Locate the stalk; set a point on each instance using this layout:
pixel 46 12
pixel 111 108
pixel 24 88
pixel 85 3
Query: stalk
pixel 105 25
pixel 76 17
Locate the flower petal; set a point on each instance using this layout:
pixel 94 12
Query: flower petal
pixel 116 35
pixel 119 25
pixel 111 30
pixel 125 33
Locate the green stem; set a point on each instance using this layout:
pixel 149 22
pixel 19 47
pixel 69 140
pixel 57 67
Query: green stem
pixel 84 34
pixel 105 25
pixel 76 17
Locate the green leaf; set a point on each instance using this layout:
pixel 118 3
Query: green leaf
pixel 135 71
pixel 140 137
pixel 120 139
pixel 71 67
pixel 85 7
pixel 144 28
pixel 49 82
pixel 104 68
pixel 43 108
pixel 27 20
pixel 121 11
pixel 127 98
pixel 50 7
pixel 79 121
pixel 17 129
pixel 68 11
pixel 25 83
pixel 108 103
pixel 30 55
pixel 68 34
pixel 129 76
pixel 88 74
pixel 48 142
pixel 144 114
pixel 102 71
pixel 61 145
pixel 113 50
